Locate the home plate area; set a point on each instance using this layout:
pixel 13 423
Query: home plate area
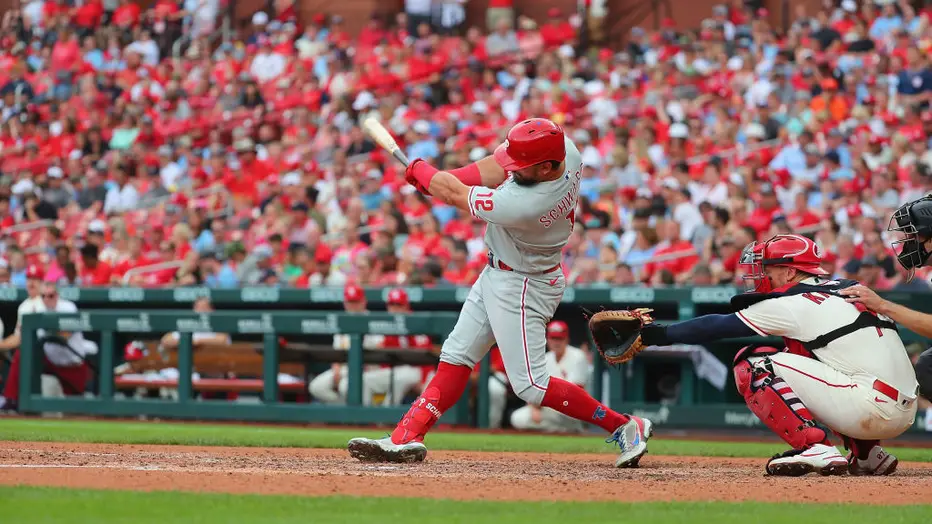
pixel 445 474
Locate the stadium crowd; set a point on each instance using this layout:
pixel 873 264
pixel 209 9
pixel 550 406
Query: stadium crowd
pixel 243 160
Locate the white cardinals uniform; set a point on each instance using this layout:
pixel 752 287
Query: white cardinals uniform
pixel 861 384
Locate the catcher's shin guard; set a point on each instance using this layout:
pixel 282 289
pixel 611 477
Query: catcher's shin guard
pixel 776 405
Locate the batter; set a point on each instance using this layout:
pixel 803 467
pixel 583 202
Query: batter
pixel 535 174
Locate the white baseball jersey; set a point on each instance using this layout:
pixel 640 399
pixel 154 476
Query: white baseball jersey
pixel 529 225
pixel 56 353
pixel 807 316
pixel 573 367
pixel 30 305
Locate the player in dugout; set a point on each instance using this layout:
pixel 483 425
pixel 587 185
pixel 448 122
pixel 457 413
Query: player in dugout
pixel 913 223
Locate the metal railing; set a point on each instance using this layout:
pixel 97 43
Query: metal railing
pixel 151 268
pixel 146 203
pixel 28 226
pixel 663 258
pixel 730 154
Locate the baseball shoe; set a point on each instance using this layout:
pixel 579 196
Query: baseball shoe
pixel 632 439
pixel 384 450
pixel 879 462
pixel 819 458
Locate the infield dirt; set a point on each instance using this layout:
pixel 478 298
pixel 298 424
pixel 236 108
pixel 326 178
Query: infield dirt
pixel 445 474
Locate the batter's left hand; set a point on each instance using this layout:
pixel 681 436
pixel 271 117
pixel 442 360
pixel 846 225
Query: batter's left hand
pixel 864 295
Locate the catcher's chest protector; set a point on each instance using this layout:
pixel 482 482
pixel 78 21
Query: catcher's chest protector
pixel 831 287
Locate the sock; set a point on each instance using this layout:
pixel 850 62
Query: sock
pixel 862 448
pixel 441 393
pixel 574 401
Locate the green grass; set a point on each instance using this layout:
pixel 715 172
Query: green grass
pixel 266 436
pixel 28 505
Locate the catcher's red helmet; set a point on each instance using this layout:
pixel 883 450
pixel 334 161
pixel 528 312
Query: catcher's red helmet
pixel 531 142
pixel 793 251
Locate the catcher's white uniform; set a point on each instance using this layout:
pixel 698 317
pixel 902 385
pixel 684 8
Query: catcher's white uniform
pixel 861 385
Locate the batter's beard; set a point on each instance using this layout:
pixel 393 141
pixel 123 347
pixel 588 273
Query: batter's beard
pixel 523 181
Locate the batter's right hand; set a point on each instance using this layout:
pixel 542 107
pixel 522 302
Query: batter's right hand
pixel 409 177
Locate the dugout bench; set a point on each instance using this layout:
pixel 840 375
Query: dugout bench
pixel 268 326
pixel 244 360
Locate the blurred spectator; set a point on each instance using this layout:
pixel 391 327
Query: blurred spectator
pixel 63 352
pixel 418 13
pixel 93 272
pixel 171 340
pixel 557 31
pixel 503 41
pixel 227 276
pixel 730 131
pixel 18 269
pixel 122 196
pixel 498 12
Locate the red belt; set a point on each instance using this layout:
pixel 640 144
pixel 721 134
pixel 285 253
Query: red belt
pixel 890 391
pixel 498 264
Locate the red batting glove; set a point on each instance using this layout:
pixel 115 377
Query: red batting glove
pixel 417 185
pixel 417 171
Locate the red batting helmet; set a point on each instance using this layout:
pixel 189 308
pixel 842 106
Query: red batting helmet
pixel 531 142
pixel 793 251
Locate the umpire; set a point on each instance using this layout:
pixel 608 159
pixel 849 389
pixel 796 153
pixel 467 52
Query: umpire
pixel 913 222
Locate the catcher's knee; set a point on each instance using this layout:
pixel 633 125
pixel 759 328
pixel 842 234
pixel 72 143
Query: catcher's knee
pixel 532 393
pixel 748 369
pixel 924 373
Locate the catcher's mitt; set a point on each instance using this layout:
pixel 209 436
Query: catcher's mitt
pixel 617 334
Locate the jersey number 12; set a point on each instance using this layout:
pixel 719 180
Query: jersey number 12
pixel 484 202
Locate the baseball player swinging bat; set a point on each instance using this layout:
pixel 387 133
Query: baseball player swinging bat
pixel 527 194
pixel 384 139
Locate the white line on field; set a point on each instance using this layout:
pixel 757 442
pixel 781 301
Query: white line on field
pixel 74 466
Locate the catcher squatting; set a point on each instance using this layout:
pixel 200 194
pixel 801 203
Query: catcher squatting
pixel 844 366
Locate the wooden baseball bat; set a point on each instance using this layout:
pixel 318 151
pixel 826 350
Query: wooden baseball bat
pixel 383 138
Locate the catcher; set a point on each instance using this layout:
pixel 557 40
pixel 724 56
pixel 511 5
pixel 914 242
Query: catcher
pixel 844 366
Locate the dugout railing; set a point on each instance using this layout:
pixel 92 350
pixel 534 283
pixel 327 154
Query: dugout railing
pixel 624 383
pixel 268 327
